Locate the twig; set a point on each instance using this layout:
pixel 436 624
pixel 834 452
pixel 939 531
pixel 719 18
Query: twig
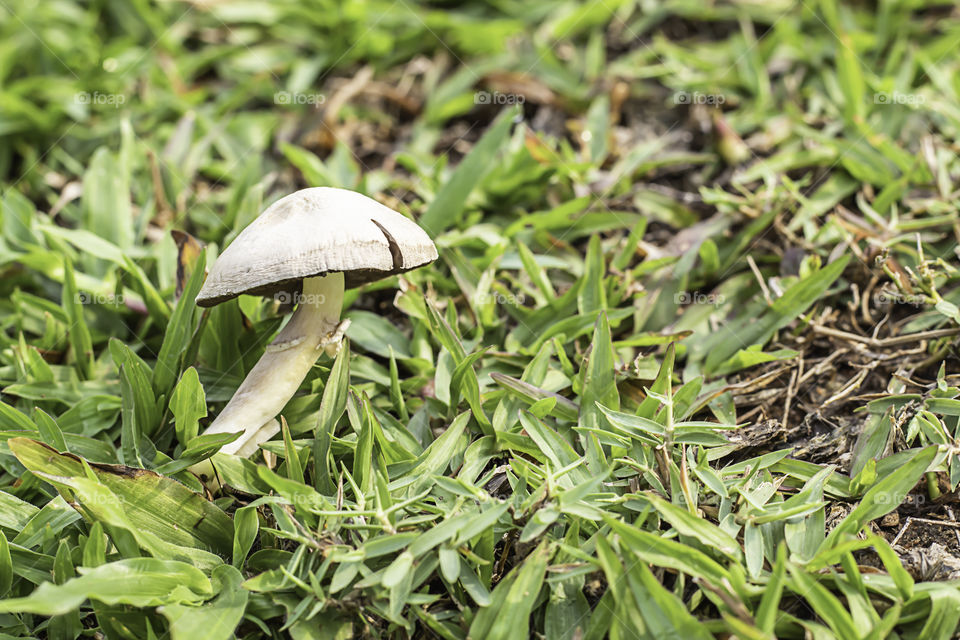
pixel 822 366
pixel 954 519
pixel 759 276
pixel 850 387
pixel 939 523
pixel 886 342
pixel 900 533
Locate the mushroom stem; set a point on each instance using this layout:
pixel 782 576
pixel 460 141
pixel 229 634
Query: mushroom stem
pixel 313 327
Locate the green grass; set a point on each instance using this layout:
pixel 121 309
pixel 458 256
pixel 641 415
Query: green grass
pixel 686 366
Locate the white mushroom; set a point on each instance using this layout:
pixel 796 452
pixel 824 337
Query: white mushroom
pixel 308 247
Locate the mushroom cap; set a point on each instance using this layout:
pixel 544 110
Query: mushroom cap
pixel 313 232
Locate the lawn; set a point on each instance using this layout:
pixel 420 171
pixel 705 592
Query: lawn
pixel 686 365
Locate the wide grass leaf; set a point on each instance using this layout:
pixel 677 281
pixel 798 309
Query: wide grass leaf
pixel 377 335
pixel 599 376
pixel 747 330
pixel 14 512
pixel 437 456
pixel 332 405
pixel 563 408
pixel 447 207
pixel 106 199
pixel 215 620
pixel 941 623
pixel 6 565
pixel 665 615
pixel 663 552
pixel 769 608
pixel 881 499
pixel 508 616
pixel 830 609
pixel 153 502
pixel 102 505
pixel 139 582
pixel 80 340
pixel 687 524
pixel 188 404
pixel 179 332
pixel 53 518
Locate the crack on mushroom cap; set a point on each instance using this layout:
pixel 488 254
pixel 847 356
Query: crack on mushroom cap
pixel 395 252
